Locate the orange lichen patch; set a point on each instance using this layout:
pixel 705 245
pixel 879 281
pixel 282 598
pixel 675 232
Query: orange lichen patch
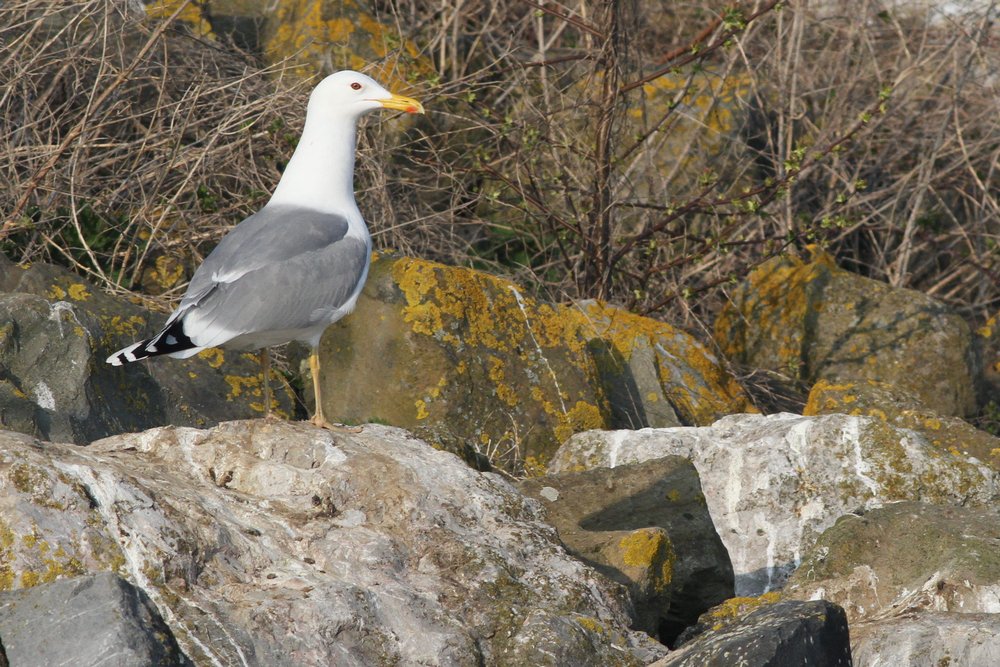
pixel 190 14
pixel 239 384
pixel 214 356
pixel 709 101
pixel 691 378
pixel 765 320
pixel 736 608
pixel 123 326
pixel 505 392
pixel 582 416
pixel 989 328
pixel 439 299
pixel 650 549
pixel 167 272
pixel 78 292
pixel 314 33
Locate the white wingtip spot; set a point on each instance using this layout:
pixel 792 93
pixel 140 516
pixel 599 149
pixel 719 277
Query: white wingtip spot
pixel 124 354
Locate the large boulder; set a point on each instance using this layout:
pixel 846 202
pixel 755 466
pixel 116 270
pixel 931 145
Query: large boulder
pixel 646 526
pixel 774 484
pixel 920 583
pixel 470 362
pixel 56 331
pixel 815 321
pixel 283 544
pixel 929 639
pixel 775 635
pixel 906 557
pixel 904 410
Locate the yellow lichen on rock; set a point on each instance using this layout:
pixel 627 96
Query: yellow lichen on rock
pixel 239 384
pixel 78 292
pixel 687 374
pixel 582 416
pixel 736 608
pixel 649 549
pixel 190 14
pixel 317 35
pixel 214 356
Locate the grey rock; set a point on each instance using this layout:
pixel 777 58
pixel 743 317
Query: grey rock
pixel 647 527
pixel 282 544
pixel 905 557
pixel 928 639
pixel 784 634
pixel 474 364
pixel 817 321
pixel 56 331
pixel 98 619
pixel 774 484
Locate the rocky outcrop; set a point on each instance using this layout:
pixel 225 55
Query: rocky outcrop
pixel 56 331
pixel 895 568
pixel 323 36
pixel 283 544
pixel 98 619
pixel 902 409
pixel 774 484
pixel 307 37
pixel 647 527
pixel 775 635
pixel 470 362
pixel 929 639
pixel 815 321
pixel 906 556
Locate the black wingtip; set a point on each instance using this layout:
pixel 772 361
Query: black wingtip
pixel 171 339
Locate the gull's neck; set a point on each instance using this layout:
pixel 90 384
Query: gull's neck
pixel 320 173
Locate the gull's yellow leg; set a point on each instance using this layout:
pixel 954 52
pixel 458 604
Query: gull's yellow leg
pixel 318 418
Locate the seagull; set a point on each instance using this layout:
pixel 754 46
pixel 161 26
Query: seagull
pixel 297 265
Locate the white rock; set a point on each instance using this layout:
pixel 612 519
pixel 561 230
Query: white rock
pixel 282 544
pixel 774 483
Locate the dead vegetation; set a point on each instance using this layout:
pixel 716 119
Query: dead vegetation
pixel 649 153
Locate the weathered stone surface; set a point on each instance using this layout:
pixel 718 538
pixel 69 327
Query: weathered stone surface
pixel 55 333
pixel 816 321
pixel 776 635
pixel 470 363
pixel 464 360
pixel 928 639
pixel 647 527
pixel 323 36
pixel 729 612
pixel 906 556
pixel 98 619
pixel 904 410
pixel 774 484
pixel 654 374
pixel 282 544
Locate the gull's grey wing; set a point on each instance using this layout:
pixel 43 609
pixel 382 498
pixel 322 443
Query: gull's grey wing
pixel 272 235
pixel 288 270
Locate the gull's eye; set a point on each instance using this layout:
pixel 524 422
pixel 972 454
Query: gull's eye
pixel 356 86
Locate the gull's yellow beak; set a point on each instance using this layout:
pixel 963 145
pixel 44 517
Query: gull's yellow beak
pixel 400 103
